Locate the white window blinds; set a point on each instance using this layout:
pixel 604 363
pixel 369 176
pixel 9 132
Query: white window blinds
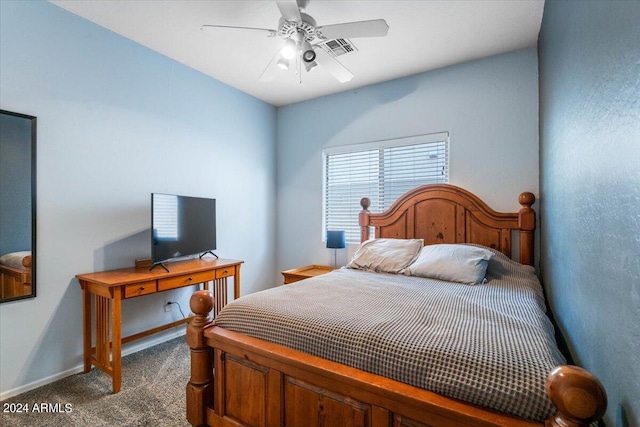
pixel 165 217
pixel 381 171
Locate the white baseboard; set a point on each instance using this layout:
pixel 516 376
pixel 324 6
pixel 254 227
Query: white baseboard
pixel 129 349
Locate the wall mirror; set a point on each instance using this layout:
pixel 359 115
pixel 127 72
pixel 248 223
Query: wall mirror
pixel 17 206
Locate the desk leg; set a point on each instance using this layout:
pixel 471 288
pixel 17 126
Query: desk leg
pixel 116 322
pixel 86 326
pixel 236 283
pixel 219 295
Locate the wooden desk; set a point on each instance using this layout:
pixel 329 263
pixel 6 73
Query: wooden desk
pixel 107 289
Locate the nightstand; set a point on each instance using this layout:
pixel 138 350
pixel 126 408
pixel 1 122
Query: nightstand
pixel 305 272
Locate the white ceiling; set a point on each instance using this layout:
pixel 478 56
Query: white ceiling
pixel 423 35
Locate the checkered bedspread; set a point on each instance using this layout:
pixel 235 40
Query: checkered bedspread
pixel 491 345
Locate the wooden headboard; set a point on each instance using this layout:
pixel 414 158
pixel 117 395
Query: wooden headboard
pixel 444 213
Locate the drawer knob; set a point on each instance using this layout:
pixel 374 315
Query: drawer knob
pixel 142 288
pixel 225 272
pixel 190 278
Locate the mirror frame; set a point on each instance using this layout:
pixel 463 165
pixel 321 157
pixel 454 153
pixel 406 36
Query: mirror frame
pixel 34 133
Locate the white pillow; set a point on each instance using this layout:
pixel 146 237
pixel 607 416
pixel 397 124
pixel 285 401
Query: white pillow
pixel 454 263
pixel 15 259
pixel 386 255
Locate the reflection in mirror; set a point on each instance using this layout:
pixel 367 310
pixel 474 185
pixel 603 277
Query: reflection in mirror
pixel 17 206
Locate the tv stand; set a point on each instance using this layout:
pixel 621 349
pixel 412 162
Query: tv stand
pixel 103 293
pixel 208 252
pixel 161 264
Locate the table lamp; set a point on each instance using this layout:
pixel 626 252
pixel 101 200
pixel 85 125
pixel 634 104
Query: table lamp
pixel 336 240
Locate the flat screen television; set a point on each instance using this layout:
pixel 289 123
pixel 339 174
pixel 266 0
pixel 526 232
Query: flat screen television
pixel 181 226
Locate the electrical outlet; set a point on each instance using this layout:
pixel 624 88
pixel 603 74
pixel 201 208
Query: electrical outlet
pixel 167 306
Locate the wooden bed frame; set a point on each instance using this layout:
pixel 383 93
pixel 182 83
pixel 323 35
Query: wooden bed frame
pixel 257 383
pixel 15 282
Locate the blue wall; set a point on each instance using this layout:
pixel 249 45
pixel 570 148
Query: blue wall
pixel 589 56
pixel 489 107
pixel 116 122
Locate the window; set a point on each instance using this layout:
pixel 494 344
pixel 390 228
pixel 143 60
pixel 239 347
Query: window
pixel 381 171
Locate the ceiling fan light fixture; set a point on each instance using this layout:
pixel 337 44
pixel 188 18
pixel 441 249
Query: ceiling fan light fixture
pixel 308 54
pixel 310 65
pixel 289 49
pixel 283 63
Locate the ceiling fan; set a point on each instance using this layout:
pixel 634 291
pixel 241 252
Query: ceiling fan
pixel 302 38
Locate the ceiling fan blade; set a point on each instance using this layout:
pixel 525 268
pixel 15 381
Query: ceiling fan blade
pixel 270 72
pixel 332 65
pixel 289 10
pixel 270 33
pixel 373 28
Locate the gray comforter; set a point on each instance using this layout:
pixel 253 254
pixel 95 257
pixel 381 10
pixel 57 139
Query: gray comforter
pixel 490 344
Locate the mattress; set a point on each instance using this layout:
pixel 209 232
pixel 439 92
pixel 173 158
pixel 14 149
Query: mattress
pixel 490 344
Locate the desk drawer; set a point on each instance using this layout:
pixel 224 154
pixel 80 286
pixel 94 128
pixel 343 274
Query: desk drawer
pixel 185 280
pixel 137 289
pixel 225 272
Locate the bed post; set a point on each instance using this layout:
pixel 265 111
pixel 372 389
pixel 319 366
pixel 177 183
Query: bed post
pixel 526 224
pixel 363 219
pixel 200 386
pixel 578 395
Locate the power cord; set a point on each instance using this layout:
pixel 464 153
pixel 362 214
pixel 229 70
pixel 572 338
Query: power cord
pixel 179 308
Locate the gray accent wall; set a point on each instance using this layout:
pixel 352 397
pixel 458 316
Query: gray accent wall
pixel 589 58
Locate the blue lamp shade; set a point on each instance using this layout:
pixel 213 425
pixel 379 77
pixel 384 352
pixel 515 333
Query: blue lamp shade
pixel 336 239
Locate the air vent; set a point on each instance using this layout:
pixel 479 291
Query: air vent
pixel 338 47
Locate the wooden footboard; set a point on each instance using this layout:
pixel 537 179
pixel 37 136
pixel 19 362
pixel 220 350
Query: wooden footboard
pixel 15 282
pixel 257 383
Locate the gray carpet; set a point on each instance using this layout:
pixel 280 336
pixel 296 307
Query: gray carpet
pixel 153 393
